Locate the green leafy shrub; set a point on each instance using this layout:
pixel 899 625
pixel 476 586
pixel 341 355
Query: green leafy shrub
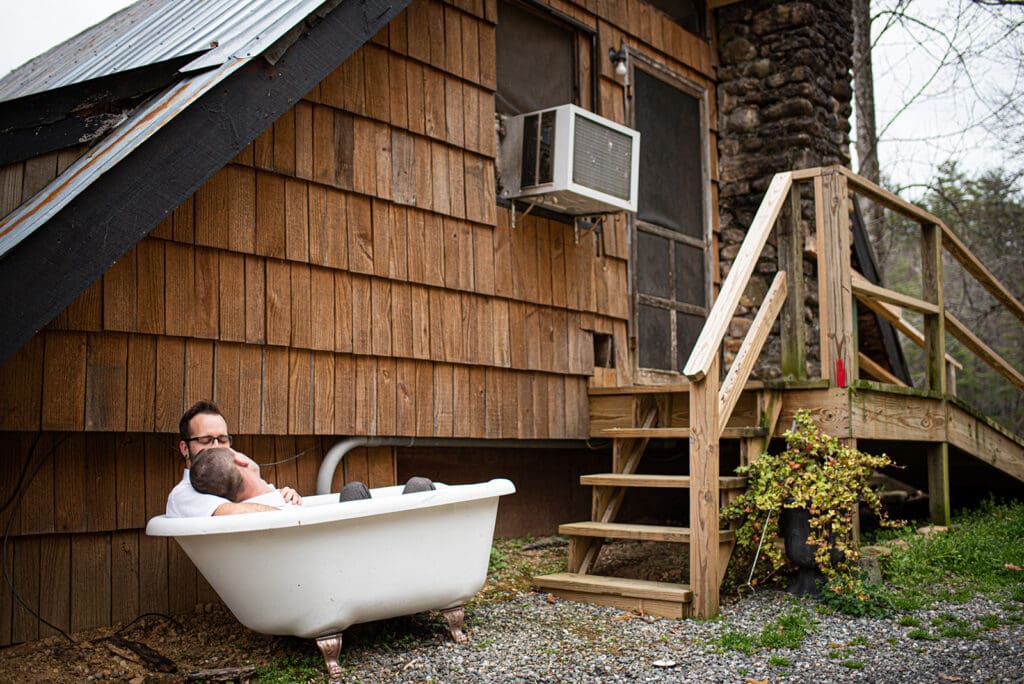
pixel 818 473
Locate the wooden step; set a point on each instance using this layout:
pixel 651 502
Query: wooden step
pixel 653 598
pixel 654 481
pixel 676 433
pixel 659 533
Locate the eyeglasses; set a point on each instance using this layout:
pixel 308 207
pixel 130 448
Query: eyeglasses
pixel 210 440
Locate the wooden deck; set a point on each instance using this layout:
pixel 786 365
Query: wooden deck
pixel 884 415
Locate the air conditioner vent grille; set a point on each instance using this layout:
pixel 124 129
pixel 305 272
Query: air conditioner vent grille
pixel 603 158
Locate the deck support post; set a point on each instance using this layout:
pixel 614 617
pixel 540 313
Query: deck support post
pixel 938 483
pixel 705 575
pixel 835 289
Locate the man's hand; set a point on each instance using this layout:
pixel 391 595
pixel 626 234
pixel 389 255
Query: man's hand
pixel 291 496
pixel 236 508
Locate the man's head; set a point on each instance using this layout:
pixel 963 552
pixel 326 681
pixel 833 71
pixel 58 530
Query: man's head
pixel 214 472
pixel 200 428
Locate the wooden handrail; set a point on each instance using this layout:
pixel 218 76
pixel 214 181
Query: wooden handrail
pixel 889 200
pixel 706 349
pixel 876 371
pixel 743 364
pixel 972 265
pixel 983 351
pixel 882 294
pixel 894 316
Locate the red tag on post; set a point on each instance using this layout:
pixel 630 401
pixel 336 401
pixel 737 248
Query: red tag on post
pixel 840 373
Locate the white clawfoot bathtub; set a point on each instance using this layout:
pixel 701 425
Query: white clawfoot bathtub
pixel 315 570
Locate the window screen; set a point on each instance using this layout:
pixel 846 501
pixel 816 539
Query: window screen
pixel 671 183
pixel 536 61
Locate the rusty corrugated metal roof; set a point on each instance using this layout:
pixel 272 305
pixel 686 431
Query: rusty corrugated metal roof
pixel 154 31
pixel 245 28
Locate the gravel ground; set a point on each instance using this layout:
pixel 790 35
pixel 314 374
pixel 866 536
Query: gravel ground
pixel 534 638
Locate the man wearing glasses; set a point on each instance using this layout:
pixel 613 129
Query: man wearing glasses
pixel 203 427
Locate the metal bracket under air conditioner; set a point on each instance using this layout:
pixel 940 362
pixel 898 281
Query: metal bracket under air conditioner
pixel 588 223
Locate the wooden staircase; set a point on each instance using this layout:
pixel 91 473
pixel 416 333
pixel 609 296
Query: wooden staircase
pixel 630 442
pixel 711 406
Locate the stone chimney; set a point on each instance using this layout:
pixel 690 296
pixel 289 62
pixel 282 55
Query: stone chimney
pixel 785 86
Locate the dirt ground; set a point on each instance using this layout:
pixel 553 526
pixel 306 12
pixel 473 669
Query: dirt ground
pixel 198 644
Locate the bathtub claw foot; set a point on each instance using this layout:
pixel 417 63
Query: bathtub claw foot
pixel 330 647
pixel 455 617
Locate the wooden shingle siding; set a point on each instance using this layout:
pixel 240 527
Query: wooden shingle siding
pixel 348 273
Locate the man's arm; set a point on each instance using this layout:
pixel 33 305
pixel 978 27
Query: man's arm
pixel 236 508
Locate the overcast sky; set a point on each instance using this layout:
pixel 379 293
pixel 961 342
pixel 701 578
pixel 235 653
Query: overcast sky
pixel 921 137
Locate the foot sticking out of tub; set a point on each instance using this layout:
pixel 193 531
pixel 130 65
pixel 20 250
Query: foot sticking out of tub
pixel 330 647
pixel 455 616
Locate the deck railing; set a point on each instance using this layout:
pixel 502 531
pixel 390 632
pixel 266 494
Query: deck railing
pixel 712 401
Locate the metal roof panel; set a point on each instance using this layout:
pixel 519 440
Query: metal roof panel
pixel 152 31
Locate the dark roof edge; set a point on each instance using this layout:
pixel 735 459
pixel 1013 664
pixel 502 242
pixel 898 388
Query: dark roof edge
pixel 79 113
pixel 44 273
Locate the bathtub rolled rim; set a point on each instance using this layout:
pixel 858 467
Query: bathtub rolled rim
pixel 393 502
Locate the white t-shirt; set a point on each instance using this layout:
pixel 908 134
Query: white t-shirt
pixel 271 498
pixel 185 502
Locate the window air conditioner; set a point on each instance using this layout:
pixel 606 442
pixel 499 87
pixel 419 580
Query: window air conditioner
pixel 569 160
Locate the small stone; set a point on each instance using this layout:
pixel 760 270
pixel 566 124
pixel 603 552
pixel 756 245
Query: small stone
pixel 664 663
pixel 929 530
pixel 876 551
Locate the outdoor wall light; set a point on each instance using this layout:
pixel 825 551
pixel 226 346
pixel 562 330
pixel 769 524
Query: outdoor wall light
pixel 618 58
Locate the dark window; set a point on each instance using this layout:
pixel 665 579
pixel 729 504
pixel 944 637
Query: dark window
pixel 688 329
pixel 689 275
pixel 687 13
pixel 536 57
pixel 655 326
pixel 654 253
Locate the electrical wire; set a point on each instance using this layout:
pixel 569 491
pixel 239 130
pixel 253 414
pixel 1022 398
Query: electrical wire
pixel 17 495
pixel 145 615
pixel 20 489
pixel 24 469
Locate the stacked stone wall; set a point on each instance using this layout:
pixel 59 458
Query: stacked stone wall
pixel 784 102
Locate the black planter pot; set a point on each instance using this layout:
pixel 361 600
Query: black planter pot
pixel 795 527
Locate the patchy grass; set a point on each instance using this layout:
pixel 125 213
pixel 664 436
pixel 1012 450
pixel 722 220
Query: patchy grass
pixel 972 557
pixel 922 635
pixel 512 567
pixel 294 668
pixel 786 631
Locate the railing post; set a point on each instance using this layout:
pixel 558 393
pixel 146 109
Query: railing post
pixel 931 291
pixel 935 365
pixel 792 336
pixel 705 575
pixel 835 292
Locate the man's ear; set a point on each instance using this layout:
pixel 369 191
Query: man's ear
pixel 183 448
